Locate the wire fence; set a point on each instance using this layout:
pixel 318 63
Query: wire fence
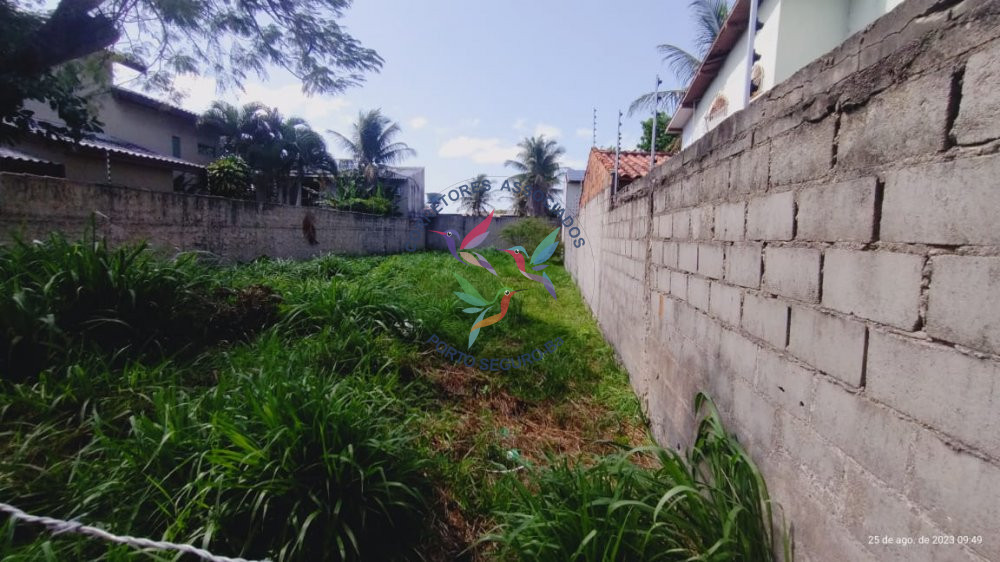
pixel 58 526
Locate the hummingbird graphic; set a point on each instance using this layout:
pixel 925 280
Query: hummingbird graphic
pixel 542 253
pixel 470 295
pixel 474 238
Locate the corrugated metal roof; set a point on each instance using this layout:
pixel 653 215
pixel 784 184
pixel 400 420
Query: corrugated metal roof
pixel 6 152
pixel 107 142
pixel 148 101
pixel 575 175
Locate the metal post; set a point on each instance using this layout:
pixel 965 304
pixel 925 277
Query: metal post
pixel 618 149
pixel 594 140
pixel 656 115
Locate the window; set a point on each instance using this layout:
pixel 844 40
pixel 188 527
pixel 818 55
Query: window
pixel 176 145
pixel 206 150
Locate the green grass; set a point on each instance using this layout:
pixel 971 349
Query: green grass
pixel 293 410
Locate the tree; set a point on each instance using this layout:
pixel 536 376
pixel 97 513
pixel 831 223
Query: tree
pixel 538 164
pixel 274 147
pixel 664 140
pixel 372 144
pixel 709 16
pixel 480 194
pixel 230 40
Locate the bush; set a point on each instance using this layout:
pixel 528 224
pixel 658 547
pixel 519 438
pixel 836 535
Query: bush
pixel 59 299
pixel 528 232
pixel 374 205
pixel 710 505
pixel 229 176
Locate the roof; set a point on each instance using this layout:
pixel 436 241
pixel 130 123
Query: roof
pixel 11 154
pixel 109 143
pixel 574 175
pixel 729 35
pixel 632 164
pixel 147 101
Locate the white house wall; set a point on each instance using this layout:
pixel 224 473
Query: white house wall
pixel 863 12
pixel 808 29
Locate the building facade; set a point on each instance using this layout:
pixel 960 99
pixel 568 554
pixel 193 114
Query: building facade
pixel 789 35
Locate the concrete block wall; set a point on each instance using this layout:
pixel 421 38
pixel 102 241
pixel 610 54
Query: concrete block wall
pixel 234 230
pixel 826 264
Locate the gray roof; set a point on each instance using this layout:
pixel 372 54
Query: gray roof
pixel 12 154
pixel 102 141
pixel 574 175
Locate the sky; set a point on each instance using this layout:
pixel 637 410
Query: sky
pixel 467 80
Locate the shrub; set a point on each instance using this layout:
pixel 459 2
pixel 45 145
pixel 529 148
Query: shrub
pixel 229 176
pixel 374 205
pixel 711 504
pixel 60 298
pixel 528 232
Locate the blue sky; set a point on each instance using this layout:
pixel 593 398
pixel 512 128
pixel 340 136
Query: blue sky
pixel 467 80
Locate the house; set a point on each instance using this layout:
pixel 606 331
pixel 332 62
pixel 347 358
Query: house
pixel 145 144
pixel 574 187
pixel 789 35
pixel 599 176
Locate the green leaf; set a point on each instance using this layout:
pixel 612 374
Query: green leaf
pixel 545 248
pixel 473 300
pixel 471 310
pixel 468 288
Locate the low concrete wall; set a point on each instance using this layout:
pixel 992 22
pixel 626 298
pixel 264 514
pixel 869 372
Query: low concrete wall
pixel 826 264
pixel 463 224
pixel 233 229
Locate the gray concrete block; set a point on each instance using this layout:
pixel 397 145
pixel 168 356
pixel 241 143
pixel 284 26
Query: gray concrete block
pixel 792 272
pixel 958 490
pixel 771 217
pixel 874 436
pixel 743 265
pixel 803 153
pixel 681 225
pixel 710 259
pixel 883 130
pixel 726 303
pixel 880 286
pixel 963 306
pixel 698 292
pixel 939 386
pixel 953 202
pixel 701 223
pixel 687 256
pixel 749 171
pixel 785 384
pixel 729 221
pixel 838 211
pixel 678 284
pixel 765 318
pixel 737 355
pixel 979 113
pixel 831 344
pixel 670 254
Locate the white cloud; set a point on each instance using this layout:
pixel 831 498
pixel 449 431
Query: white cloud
pixel 519 124
pixel 479 150
pixel 584 133
pixel 550 131
pixel 418 122
pixel 473 122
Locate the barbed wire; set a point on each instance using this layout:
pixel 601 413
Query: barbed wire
pixel 58 526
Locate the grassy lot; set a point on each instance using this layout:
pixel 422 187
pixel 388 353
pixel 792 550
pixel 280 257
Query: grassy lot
pixel 296 411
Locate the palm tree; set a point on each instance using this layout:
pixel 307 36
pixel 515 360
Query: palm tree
pixel 709 16
pixel 479 198
pixel 306 154
pixel 538 164
pixel 372 144
pixel 271 145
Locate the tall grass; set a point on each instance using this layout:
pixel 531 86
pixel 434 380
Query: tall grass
pixel 60 300
pixel 711 504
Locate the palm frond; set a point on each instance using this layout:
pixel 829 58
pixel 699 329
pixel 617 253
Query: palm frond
pixel 644 103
